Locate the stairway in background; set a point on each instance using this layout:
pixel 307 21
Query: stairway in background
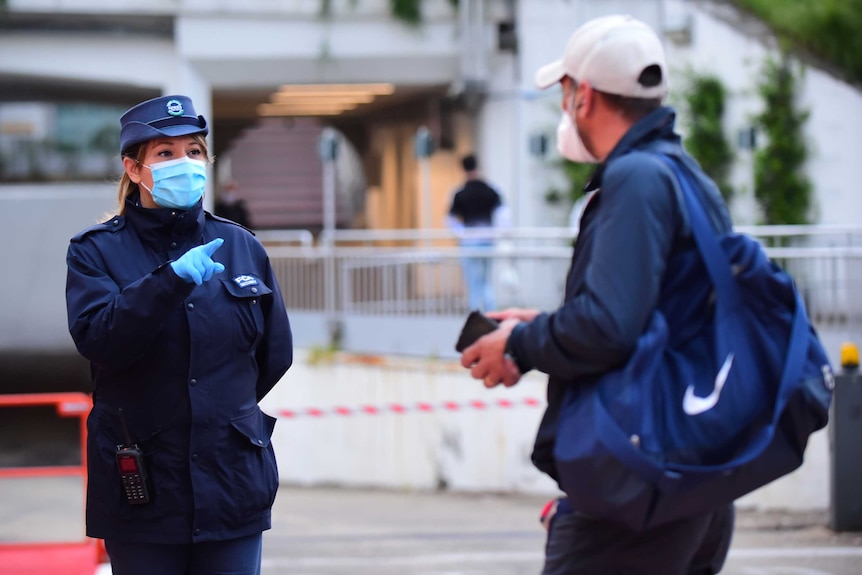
pixel 280 175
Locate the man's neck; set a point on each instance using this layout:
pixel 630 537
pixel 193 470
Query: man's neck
pixel 614 127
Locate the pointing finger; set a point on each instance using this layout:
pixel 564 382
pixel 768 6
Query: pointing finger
pixel 210 248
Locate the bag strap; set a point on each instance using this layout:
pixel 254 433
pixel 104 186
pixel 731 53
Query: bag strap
pixel 667 477
pixel 727 293
pixel 715 260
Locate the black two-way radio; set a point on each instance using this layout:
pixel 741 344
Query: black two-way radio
pixel 130 464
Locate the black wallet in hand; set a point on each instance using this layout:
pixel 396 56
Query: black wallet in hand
pixel 475 327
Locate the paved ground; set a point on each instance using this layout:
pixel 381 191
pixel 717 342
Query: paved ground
pixel 334 531
pixel 337 531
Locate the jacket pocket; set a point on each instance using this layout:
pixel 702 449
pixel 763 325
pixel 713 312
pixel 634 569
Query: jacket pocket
pixel 255 470
pixel 106 498
pixel 246 315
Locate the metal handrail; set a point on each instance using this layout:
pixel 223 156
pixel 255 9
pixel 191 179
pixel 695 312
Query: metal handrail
pixel 68 404
pixel 420 234
pixel 302 237
pixel 395 269
pixel 72 557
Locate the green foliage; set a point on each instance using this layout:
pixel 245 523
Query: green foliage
pixel 704 103
pixel 828 29
pixel 577 175
pixel 781 187
pixel 410 11
pixel 106 139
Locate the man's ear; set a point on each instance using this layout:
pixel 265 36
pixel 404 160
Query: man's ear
pixel 133 169
pixel 568 100
pixel 585 98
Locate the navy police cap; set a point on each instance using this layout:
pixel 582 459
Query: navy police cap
pixel 164 116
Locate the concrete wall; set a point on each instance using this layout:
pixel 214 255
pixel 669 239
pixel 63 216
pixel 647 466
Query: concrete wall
pixel 36 223
pixel 287 42
pixel 723 43
pixel 468 449
pixel 734 48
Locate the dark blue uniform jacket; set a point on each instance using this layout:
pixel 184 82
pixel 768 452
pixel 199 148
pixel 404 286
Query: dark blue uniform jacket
pixel 187 365
pixel 629 231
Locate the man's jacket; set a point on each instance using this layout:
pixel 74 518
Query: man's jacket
pixel 630 227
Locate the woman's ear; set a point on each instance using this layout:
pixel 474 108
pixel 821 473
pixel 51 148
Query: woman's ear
pixel 133 169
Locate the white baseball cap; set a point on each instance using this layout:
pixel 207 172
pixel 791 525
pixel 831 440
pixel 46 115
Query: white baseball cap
pixel 611 54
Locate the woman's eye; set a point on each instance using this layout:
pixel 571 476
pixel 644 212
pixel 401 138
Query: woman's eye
pixel 194 153
pixel 165 154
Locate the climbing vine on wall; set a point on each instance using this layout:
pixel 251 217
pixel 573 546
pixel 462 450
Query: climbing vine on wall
pixel 705 98
pixel 781 187
pixel 828 29
pixel 409 11
pixel 577 175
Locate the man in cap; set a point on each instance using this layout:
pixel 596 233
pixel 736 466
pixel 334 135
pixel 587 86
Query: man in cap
pixel 613 78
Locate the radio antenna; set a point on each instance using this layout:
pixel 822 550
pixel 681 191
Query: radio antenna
pixel 125 427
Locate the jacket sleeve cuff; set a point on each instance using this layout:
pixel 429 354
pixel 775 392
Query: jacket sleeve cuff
pixel 515 348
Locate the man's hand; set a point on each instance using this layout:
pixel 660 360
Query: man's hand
pixel 486 359
pixel 514 313
pixel 196 265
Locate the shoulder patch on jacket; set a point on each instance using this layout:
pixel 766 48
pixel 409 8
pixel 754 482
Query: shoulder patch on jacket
pixel 227 221
pixel 115 224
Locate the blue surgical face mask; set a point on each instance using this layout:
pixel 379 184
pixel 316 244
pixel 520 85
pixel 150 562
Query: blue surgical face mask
pixel 179 183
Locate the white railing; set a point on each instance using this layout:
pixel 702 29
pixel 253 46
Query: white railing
pixel 289 8
pixel 417 272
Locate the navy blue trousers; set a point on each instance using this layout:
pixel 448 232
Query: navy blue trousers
pixel 580 545
pixel 232 557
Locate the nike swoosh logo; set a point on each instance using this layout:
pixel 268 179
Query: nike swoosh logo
pixel 694 405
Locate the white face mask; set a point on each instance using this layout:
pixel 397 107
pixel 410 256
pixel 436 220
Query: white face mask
pixel 569 142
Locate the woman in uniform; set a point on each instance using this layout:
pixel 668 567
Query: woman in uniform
pixel 181 317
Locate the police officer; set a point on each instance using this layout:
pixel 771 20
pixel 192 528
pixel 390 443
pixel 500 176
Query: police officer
pixel 181 317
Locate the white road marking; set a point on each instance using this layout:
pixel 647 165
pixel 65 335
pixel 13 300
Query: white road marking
pixel 794 552
pixel 535 556
pixel 782 571
pixel 408 560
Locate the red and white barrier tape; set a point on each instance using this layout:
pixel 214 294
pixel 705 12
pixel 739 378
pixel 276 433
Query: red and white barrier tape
pixel 399 408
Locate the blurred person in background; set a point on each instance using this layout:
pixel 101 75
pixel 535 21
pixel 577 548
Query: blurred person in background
pixel 633 230
pixel 477 205
pixel 182 320
pixel 230 205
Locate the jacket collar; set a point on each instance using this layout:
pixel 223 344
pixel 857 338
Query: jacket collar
pixel 155 225
pixel 657 126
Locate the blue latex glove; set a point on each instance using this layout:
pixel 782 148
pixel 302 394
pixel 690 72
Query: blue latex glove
pixel 196 265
